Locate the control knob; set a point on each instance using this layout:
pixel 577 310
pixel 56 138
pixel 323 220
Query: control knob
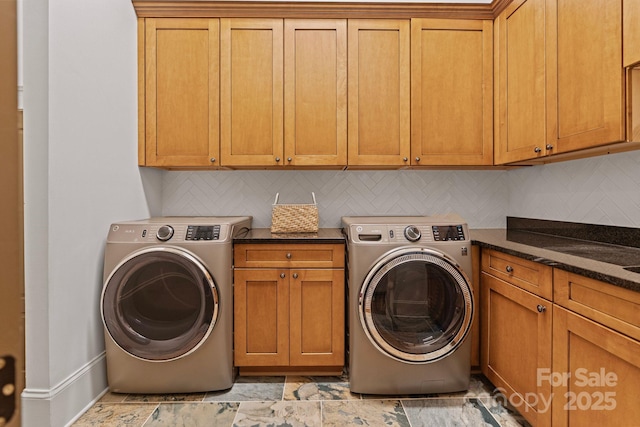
pixel 164 233
pixel 412 233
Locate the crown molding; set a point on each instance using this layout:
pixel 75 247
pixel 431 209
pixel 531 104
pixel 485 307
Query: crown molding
pixel 306 9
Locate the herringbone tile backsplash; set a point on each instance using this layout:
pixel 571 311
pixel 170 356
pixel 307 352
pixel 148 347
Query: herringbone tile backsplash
pixel 600 190
pixel 478 196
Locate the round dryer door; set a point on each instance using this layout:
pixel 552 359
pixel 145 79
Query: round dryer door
pixel 159 303
pixel 416 305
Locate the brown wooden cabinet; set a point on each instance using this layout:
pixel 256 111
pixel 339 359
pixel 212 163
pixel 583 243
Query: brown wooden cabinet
pixel 516 328
pixel 289 308
pixel 520 101
pixel 251 92
pixel 379 93
pixel 451 92
pixel 596 373
pixel 630 32
pixel 178 92
pixel 283 92
pixel 546 52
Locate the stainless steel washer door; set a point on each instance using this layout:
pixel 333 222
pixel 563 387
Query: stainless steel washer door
pixel 415 305
pixel 159 303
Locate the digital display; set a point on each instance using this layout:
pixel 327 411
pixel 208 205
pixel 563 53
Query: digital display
pixel 442 233
pixel 203 232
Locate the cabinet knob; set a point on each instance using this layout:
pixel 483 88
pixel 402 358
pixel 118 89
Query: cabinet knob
pixel 549 147
pixel 417 159
pixel 288 255
pixel 541 308
pixel 282 275
pixel 295 275
pixel 277 159
pixel 509 269
pixel 212 160
pixel 405 159
pixel 289 159
pixel 537 149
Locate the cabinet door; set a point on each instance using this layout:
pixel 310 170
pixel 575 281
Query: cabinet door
pixel 315 92
pixel 631 32
pixel 379 92
pixel 261 317
pixel 317 317
pixel 516 345
pixel 179 92
pixel 451 92
pixel 585 82
pixel 251 91
pixel 596 373
pixel 520 101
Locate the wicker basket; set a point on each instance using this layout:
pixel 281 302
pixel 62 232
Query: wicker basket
pixel 294 218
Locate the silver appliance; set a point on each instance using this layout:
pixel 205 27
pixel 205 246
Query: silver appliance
pixel 410 304
pixel 167 304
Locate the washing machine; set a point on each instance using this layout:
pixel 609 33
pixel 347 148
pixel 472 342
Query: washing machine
pixel 167 304
pixel 410 304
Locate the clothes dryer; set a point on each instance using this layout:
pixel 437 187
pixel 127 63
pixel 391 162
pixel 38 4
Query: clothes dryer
pixel 167 304
pixel 410 304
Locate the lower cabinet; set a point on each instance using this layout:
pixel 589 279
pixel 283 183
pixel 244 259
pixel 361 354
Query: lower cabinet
pixel 573 361
pixel 516 346
pixel 289 316
pixel 596 373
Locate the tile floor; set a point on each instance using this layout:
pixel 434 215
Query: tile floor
pixel 301 401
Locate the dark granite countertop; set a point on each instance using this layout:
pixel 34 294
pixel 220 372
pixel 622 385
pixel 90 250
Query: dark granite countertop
pixel 264 235
pixel 566 253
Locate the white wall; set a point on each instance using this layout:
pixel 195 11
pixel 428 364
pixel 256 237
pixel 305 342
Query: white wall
pixel 80 114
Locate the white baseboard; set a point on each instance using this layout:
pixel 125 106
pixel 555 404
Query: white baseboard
pixel 68 400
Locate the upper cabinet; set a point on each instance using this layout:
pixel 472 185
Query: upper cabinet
pixel 379 93
pixel 178 92
pixel 451 92
pixel 283 92
pixel 520 102
pixel 332 86
pixel 315 92
pixel 560 80
pixel 631 32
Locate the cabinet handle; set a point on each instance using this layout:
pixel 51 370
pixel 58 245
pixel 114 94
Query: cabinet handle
pixel 541 308
pixel 417 159
pixel 212 160
pixel 549 147
pixel 537 149
pixel 295 275
pixel 277 159
pixel 405 159
pixel 289 255
pixel 289 159
pixel 282 275
pixel 509 269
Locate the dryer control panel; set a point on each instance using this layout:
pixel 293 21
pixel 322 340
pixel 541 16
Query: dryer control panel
pixel 395 233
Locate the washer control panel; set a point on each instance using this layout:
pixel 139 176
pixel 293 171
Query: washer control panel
pixel 377 233
pixel 442 233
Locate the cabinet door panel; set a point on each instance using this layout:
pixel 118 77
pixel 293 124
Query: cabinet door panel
pixel 452 92
pixel 520 76
pixel 261 318
pixel 379 92
pixel 631 31
pixel 317 318
pixel 585 78
pixel 516 344
pixel 181 98
pixel 251 91
pixel 602 371
pixel 315 92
